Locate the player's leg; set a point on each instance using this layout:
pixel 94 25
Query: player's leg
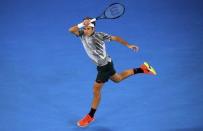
pixel 125 74
pixel 95 103
pixel 96 94
pixel 144 68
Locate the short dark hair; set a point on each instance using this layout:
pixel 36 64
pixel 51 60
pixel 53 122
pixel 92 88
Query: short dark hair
pixel 87 18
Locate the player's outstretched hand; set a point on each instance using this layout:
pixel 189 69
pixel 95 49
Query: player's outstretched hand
pixel 134 47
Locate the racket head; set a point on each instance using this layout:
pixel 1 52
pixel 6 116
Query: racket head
pixel 114 11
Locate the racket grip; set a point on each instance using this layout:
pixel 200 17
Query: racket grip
pixel 93 20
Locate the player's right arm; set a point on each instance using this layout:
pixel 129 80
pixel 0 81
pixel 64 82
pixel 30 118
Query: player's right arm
pixel 74 29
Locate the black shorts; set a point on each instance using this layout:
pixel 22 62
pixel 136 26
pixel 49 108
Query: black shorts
pixel 105 72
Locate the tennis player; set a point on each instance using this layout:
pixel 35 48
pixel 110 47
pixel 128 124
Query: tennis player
pixel 94 45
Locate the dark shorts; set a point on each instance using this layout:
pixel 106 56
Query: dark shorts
pixel 105 72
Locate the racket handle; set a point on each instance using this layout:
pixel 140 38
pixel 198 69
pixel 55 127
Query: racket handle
pixel 93 20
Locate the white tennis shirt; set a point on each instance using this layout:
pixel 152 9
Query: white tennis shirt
pixel 95 48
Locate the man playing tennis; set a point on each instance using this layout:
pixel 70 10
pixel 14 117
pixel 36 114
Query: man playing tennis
pixel 94 45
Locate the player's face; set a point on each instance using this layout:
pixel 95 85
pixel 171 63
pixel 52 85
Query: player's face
pixel 88 30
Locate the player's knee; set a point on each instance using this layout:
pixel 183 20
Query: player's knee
pixel 117 80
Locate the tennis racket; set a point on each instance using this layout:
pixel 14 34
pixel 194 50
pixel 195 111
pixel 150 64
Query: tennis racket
pixel 113 11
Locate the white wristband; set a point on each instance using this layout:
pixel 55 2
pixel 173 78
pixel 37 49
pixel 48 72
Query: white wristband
pixel 81 25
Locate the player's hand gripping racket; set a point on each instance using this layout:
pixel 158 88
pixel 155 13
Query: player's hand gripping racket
pixel 113 11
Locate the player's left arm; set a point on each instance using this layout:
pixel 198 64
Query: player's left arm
pixel 122 41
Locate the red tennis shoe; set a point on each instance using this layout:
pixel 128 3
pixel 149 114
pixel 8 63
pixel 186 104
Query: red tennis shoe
pixel 85 121
pixel 148 69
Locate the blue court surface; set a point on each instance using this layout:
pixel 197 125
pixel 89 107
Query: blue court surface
pixel 46 77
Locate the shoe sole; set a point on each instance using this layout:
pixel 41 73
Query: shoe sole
pixel 150 68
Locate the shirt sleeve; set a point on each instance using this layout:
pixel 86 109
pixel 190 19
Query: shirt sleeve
pixel 104 37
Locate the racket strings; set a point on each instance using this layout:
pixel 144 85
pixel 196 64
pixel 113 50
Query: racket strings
pixel 115 11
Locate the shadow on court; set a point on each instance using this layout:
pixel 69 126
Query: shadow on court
pixel 92 127
pixel 95 128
